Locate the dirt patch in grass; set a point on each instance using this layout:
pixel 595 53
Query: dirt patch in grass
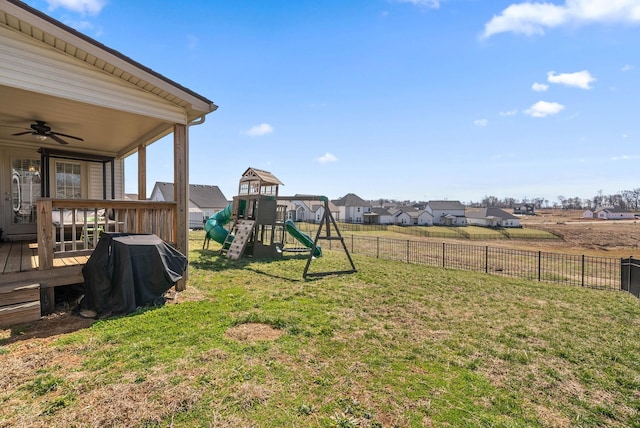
pixel 253 332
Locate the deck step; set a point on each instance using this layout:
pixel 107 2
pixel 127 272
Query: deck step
pixel 19 303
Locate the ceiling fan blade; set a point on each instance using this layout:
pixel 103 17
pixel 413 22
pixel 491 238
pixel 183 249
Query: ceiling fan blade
pixel 56 138
pixel 22 133
pixel 64 135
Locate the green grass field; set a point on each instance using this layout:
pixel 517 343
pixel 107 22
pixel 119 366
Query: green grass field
pixel 252 344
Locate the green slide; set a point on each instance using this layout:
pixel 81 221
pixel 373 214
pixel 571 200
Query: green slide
pixel 214 224
pixel 302 237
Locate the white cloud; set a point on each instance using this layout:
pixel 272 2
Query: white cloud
pixel 326 158
pixel 530 18
pixel 85 7
pixel 544 108
pixel 581 79
pixel 627 67
pixel 539 87
pixel 431 4
pixel 481 122
pixel 509 113
pixel 259 130
pixel 624 157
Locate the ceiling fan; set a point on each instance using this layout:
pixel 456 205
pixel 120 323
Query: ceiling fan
pixel 42 132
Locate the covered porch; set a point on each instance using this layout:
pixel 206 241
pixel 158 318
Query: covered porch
pixel 63 89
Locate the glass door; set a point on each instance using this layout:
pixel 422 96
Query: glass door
pixel 21 194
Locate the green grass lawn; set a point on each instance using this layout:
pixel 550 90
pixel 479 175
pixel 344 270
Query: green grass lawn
pixel 392 345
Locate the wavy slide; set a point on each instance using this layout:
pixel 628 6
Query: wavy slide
pixel 302 237
pixel 214 225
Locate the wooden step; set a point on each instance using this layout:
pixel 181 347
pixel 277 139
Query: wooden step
pixel 18 293
pixel 19 303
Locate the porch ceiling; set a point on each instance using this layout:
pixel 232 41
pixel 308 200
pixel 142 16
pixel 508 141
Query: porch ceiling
pixel 83 88
pixel 104 130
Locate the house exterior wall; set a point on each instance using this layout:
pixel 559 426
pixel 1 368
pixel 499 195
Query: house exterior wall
pixel 510 222
pixel 477 222
pixel 425 219
pixel 94 180
pixel 438 216
pixel 355 214
pixel 403 219
pixel 63 76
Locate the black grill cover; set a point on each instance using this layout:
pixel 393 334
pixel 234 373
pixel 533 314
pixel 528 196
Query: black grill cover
pixel 127 271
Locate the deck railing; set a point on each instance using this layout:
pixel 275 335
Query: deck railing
pixel 72 226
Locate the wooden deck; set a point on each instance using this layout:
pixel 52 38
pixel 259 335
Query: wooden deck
pixel 22 256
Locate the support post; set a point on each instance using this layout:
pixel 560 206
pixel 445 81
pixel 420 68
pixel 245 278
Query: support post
pixel 142 172
pixel 181 194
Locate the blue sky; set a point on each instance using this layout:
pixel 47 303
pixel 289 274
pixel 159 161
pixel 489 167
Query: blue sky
pixel 403 99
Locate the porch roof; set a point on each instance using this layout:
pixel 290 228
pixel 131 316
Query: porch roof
pixel 78 86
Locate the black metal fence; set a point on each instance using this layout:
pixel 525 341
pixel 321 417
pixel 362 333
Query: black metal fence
pixel 579 270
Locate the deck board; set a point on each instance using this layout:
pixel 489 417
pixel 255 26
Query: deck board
pixel 22 256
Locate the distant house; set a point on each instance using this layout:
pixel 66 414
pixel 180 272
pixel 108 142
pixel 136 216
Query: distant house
pixel 352 208
pixel 491 217
pixel 204 200
pixel 447 213
pixel 614 214
pixel 379 215
pixel 309 211
pixel 524 209
pixel 587 214
pixel 406 216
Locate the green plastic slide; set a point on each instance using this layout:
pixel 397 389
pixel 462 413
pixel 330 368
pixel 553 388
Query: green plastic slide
pixel 302 237
pixel 214 225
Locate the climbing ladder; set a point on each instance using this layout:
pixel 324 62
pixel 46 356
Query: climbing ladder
pixel 237 239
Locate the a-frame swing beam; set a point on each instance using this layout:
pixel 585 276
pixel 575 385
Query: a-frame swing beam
pixel 327 221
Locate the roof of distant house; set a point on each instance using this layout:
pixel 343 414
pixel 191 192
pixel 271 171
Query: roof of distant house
pixel 445 205
pixel 486 212
pixel 351 200
pixel 202 195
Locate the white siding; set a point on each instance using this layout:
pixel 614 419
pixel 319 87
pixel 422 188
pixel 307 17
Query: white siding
pixel 30 66
pixel 94 180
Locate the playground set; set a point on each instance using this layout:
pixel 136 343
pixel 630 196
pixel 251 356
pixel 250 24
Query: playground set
pixel 259 223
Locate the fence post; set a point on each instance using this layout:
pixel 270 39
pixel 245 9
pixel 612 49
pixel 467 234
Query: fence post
pixel 583 270
pixel 443 264
pixel 408 250
pixel 539 264
pixel 486 259
pixel 377 247
pixel 352 243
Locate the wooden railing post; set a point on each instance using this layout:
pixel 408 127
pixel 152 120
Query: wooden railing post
pixel 45 234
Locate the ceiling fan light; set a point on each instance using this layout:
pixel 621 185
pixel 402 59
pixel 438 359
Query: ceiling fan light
pixel 40 137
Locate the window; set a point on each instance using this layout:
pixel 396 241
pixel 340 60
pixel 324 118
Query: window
pixel 68 180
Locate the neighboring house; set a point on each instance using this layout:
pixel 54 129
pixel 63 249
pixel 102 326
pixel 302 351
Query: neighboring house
pixel 423 218
pixel 491 217
pixel 379 215
pixel 71 110
pixel 204 200
pixel 403 218
pixel 352 208
pixel 524 209
pixel 447 213
pixel 587 214
pixel 614 214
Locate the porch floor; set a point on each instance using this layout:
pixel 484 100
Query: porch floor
pixel 22 256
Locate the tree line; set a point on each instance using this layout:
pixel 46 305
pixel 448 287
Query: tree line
pixel 625 199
